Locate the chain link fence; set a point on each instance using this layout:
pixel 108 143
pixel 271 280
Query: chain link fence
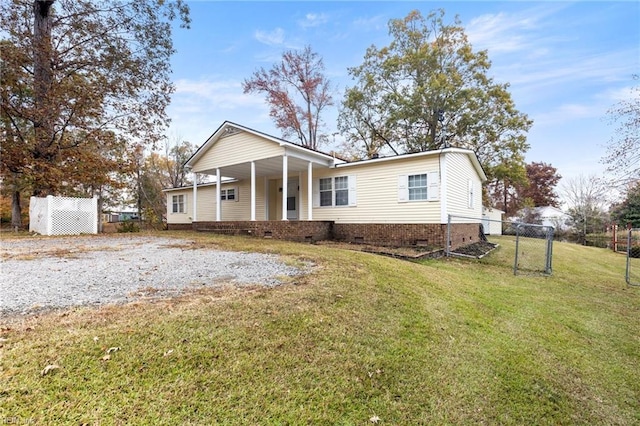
pixel 632 275
pixel 527 247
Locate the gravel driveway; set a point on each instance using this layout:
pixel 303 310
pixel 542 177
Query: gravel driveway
pixel 42 273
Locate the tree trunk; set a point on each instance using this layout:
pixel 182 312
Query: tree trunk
pixel 16 209
pixel 42 78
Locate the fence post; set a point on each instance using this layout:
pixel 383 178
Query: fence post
pixel 95 215
pixel 627 275
pixel 549 253
pixel 447 244
pixel 49 204
pixel 515 262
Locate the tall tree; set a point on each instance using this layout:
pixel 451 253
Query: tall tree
pixel 623 150
pixel 628 211
pixel 586 198
pixel 297 92
pixel 151 172
pixel 539 190
pixel 429 89
pixel 176 155
pixel 508 175
pixel 82 68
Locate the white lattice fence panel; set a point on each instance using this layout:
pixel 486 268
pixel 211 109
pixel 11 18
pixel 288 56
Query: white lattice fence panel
pixel 68 216
pixel 38 215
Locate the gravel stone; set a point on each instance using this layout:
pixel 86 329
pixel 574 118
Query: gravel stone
pixel 61 272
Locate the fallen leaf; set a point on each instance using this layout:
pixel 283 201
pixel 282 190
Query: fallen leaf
pixel 95 339
pixel 374 419
pixel 106 357
pixel 49 368
pixel 2 340
pixel 167 353
pixel 113 349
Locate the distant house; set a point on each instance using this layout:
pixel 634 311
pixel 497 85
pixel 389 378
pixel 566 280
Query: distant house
pixel 120 216
pixel 268 187
pixel 492 220
pixel 552 216
pixel 544 215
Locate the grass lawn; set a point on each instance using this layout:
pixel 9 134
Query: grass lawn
pixel 363 339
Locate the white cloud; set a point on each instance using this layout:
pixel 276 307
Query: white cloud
pixel 273 38
pixel 373 23
pixel 198 107
pixel 313 20
pixel 513 32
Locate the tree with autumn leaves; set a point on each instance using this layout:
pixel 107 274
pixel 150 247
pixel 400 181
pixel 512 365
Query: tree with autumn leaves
pixel 297 92
pixel 429 89
pixel 83 84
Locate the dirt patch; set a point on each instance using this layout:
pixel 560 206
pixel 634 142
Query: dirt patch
pixel 407 253
pixel 478 250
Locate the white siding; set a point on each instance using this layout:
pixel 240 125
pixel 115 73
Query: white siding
pixel 188 205
pixel 377 193
pixel 461 176
pixel 235 149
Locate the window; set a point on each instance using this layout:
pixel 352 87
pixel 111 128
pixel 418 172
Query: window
pixel 417 185
pixel 326 192
pixel 228 194
pixel 177 202
pixel 335 192
pixel 342 191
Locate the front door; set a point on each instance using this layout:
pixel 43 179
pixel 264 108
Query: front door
pixel 292 199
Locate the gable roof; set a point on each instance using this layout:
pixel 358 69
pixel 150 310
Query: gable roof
pixel 228 127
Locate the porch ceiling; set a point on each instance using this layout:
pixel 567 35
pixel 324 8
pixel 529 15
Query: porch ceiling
pixel 265 167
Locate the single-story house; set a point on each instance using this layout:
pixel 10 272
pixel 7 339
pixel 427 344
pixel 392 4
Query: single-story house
pixel 492 220
pixel 268 187
pixel 553 216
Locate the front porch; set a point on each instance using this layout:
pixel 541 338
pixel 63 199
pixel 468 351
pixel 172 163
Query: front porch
pixel 267 178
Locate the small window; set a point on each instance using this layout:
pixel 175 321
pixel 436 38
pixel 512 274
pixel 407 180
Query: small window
pixel 417 185
pixel 177 202
pixel 326 193
pixel 228 194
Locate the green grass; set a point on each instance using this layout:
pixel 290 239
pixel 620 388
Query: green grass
pixel 438 342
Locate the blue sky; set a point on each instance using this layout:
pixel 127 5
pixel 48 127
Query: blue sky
pixel 567 62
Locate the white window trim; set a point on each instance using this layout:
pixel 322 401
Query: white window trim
pixel 351 192
pixel 224 193
pixel 179 204
pixel 426 187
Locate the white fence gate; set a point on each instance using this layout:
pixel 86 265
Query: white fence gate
pixel 63 215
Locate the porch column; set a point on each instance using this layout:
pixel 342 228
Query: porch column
pixel 253 191
pixel 194 214
pixel 285 175
pixel 310 191
pixel 218 192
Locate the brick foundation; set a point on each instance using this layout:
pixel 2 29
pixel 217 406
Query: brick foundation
pixel 278 229
pixel 381 234
pixel 180 226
